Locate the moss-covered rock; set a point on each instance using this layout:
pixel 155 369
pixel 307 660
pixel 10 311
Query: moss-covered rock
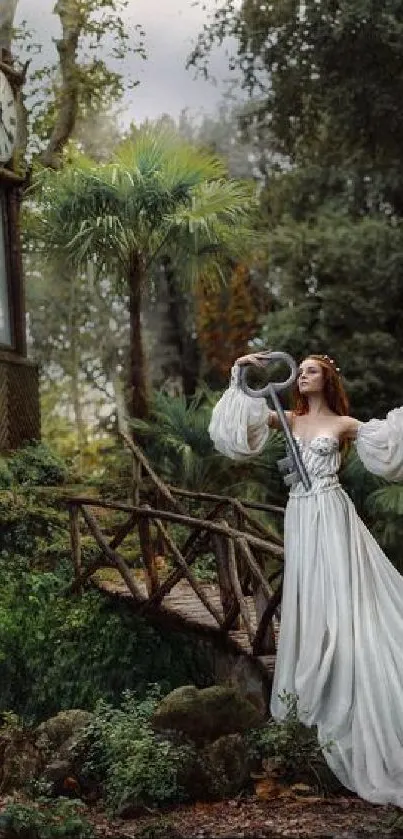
pixel 227 765
pixel 207 714
pixel 56 731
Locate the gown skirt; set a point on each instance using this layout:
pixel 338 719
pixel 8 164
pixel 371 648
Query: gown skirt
pixel 340 647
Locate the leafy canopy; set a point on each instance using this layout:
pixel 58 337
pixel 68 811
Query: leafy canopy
pixel 158 192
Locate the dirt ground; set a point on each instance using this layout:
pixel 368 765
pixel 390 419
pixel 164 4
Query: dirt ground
pixel 270 816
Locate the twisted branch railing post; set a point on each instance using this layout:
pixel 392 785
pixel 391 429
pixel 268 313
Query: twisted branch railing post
pixel 76 544
pixel 180 561
pixel 237 588
pixel 112 555
pixel 148 555
pixel 229 601
pixel 266 621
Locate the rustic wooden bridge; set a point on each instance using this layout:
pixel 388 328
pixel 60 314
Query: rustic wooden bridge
pixel 239 603
pixel 173 533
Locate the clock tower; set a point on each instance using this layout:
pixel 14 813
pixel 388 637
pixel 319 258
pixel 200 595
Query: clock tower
pixel 19 389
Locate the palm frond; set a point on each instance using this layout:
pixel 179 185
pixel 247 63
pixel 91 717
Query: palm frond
pixel 388 500
pixel 357 481
pixel 158 192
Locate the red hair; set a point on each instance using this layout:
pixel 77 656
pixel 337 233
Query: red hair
pixel 334 393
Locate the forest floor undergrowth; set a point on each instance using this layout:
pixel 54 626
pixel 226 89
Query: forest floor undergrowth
pixel 274 814
pixel 272 818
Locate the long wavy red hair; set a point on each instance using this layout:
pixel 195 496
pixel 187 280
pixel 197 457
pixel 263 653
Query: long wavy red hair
pixel 334 392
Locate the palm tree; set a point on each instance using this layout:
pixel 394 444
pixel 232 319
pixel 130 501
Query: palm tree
pixel 158 196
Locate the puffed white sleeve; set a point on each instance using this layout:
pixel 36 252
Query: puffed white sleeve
pixel 239 423
pixel 380 445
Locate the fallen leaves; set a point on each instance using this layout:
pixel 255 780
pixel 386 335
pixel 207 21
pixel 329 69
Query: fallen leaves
pixel 276 813
pixel 273 815
pixel 270 788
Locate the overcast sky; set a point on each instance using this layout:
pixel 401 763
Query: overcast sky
pixel 170 26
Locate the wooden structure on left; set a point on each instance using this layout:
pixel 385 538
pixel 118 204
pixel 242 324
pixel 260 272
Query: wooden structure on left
pixel 19 386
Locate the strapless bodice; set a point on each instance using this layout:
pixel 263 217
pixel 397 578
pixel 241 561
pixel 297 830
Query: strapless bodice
pixel 321 457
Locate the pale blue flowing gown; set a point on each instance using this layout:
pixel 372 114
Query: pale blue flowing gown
pixel 340 647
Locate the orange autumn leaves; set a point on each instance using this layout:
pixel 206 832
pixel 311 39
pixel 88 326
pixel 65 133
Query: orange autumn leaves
pixel 228 317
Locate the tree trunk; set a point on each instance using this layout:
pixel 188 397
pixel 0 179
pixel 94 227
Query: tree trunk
pixel 187 345
pixel 7 12
pixel 138 396
pixel 74 340
pixel 72 19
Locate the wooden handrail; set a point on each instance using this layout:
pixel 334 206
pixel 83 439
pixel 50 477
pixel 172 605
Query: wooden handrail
pixel 165 515
pixel 208 496
pixel 261 528
pixel 238 565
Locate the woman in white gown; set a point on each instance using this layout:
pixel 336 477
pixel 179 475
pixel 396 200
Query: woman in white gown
pixel 340 646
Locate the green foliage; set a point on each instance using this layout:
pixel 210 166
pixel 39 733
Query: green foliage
pixel 31 530
pixel 60 652
pixel 60 819
pixel 332 271
pixel 98 83
pixel 159 198
pixel 157 191
pixel 292 749
pixel 357 481
pixel 333 198
pixel 329 73
pixel 177 442
pixel 6 478
pixel 37 465
pixel 138 767
pixel 379 504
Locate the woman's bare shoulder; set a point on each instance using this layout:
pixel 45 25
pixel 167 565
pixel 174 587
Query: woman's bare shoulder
pixel 348 427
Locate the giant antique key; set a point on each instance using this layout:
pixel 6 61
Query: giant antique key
pixel 291 467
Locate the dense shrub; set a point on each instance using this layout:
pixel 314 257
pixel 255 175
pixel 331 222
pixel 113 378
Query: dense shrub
pixel 292 749
pixel 135 766
pixel 59 652
pixel 29 529
pixel 60 819
pixel 6 478
pixel 37 465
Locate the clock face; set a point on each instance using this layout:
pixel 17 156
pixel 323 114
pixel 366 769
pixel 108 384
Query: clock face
pixel 8 119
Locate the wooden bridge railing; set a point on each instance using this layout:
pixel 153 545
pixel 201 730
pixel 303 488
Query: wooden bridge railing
pixel 242 547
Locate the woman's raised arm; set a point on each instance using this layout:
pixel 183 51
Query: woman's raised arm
pixel 380 445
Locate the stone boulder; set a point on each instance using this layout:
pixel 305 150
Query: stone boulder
pixel 57 737
pixel 48 752
pixel 54 732
pixel 227 766
pixel 206 714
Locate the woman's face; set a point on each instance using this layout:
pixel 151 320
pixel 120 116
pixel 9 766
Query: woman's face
pixel 310 377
